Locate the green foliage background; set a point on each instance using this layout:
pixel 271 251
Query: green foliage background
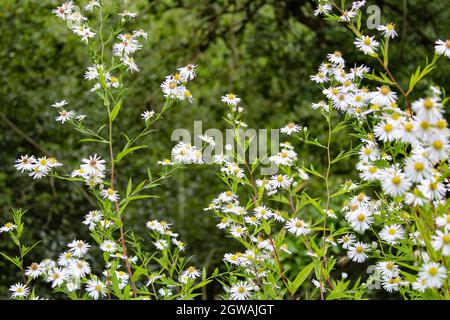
pixel 262 50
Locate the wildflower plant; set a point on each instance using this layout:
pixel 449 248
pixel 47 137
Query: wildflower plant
pixel 129 271
pixel 395 216
pixel 392 222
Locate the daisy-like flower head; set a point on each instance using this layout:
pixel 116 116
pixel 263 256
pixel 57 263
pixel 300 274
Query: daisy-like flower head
pixel 290 128
pixel 443 48
pixel 347 15
pixel 79 248
pixel 391 284
pixel 391 234
pixel 108 246
pixel 433 273
pixel 93 165
pixel 64 10
pixel 34 270
pixel 59 104
pixel 367 44
pixel 358 252
pixel 442 241
pixel 420 284
pixel 347 240
pixel 242 290
pixel 237 231
pixel 65 258
pixel 91 5
pixel 429 109
pixel 191 273
pixel 388 269
pixel 110 194
pixel 57 276
pixel 443 221
pixel 388 30
pixel 96 288
pixel 25 163
pixel 147 115
pixel 188 72
pixel 385 131
pixel 360 219
pixel 65 115
pixel 7 227
pixel 384 96
pixel 209 140
pixel 336 58
pixel 19 290
pixel 395 182
pixel 297 227
pixel 161 244
pixel 323 9
pixel 438 148
pixel 230 99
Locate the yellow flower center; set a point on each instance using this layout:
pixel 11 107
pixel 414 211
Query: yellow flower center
pixel 385 90
pixel 388 127
pixel 359 249
pixel 408 127
pixel 425 125
pixel 419 166
pixel 361 217
pixel 299 224
pixel 392 231
pixel 396 180
pixel 373 169
pixel 441 124
pixel 438 144
pixel 446 239
pixel 428 103
pixel 433 271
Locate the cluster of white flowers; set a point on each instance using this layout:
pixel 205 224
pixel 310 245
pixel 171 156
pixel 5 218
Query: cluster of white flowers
pixel 92 170
pixel 64 115
pixel 174 87
pixel 286 157
pixel 186 153
pixel 36 167
pixel 426 132
pixel 69 12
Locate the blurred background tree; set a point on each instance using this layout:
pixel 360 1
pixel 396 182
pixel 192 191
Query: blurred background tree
pixel 262 50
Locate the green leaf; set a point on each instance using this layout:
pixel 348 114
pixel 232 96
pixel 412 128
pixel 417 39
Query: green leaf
pixel 126 151
pixel 130 185
pixel 140 271
pixel 115 111
pixel 94 140
pixel 301 277
pixel 15 261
